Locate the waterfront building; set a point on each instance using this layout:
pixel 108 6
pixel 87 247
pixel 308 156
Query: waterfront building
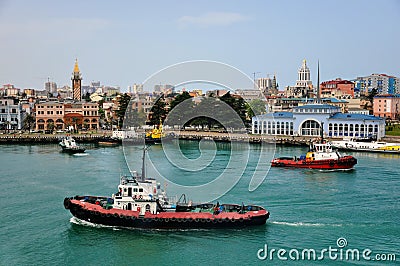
pixel 309 119
pixel 383 83
pixel 387 105
pixel 342 89
pixel 59 116
pixel 49 115
pixel 82 115
pixel 303 87
pixel 11 114
pixel 77 82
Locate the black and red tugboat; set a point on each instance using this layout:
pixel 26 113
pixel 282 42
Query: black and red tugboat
pixel 321 156
pixel 141 203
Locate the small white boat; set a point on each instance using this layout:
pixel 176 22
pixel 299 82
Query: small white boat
pixel 68 144
pixel 354 144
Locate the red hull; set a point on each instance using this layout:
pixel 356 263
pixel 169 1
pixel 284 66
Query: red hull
pixel 346 162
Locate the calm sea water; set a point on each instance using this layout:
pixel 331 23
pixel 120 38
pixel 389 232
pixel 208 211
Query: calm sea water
pixel 309 209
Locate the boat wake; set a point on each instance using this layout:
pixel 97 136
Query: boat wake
pixel 337 170
pixel 77 221
pixel 306 224
pixel 80 154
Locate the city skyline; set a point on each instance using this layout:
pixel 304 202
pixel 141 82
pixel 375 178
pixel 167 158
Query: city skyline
pixel 125 43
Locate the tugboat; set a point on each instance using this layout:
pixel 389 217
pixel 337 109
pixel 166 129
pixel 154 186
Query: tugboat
pixel 141 203
pixel 157 135
pixel 154 136
pixel 320 156
pixel 68 144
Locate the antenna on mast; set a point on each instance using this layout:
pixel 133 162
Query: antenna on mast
pixel 143 177
pixel 318 92
pixel 143 164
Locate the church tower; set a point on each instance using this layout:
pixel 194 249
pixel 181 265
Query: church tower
pixel 77 82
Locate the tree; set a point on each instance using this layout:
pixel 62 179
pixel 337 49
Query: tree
pixel 134 118
pixel 28 121
pixel 50 126
pixel 238 105
pixel 123 103
pixel 7 123
pixel 87 97
pixel 371 95
pixel 158 112
pixel 255 107
pixel 75 122
pixel 179 98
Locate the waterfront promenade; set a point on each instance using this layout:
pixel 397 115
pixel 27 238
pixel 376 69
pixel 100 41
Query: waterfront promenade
pixel 185 135
pixel 16 138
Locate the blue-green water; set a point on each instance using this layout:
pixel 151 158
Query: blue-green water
pixel 309 209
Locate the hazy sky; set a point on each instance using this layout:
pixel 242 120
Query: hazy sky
pixel 124 42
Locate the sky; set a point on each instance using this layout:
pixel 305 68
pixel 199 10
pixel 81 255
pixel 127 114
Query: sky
pixel 120 43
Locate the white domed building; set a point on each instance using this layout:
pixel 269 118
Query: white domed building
pixel 307 120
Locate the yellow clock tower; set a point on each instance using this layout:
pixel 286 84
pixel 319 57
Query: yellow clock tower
pixel 77 82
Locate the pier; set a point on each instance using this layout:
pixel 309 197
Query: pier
pixel 51 138
pixel 184 135
pixel 227 137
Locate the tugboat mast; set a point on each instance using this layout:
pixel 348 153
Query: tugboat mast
pixel 318 89
pixel 143 177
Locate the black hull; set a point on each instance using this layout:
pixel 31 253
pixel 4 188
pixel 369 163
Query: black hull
pixel 160 223
pixel 152 141
pixel 73 151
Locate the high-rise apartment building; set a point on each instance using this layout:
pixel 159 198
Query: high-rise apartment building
pixel 50 87
pixel 383 83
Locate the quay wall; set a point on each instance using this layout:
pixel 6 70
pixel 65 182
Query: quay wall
pixel 185 135
pixel 50 139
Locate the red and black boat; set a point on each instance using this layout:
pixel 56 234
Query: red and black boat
pixel 141 203
pixel 320 156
